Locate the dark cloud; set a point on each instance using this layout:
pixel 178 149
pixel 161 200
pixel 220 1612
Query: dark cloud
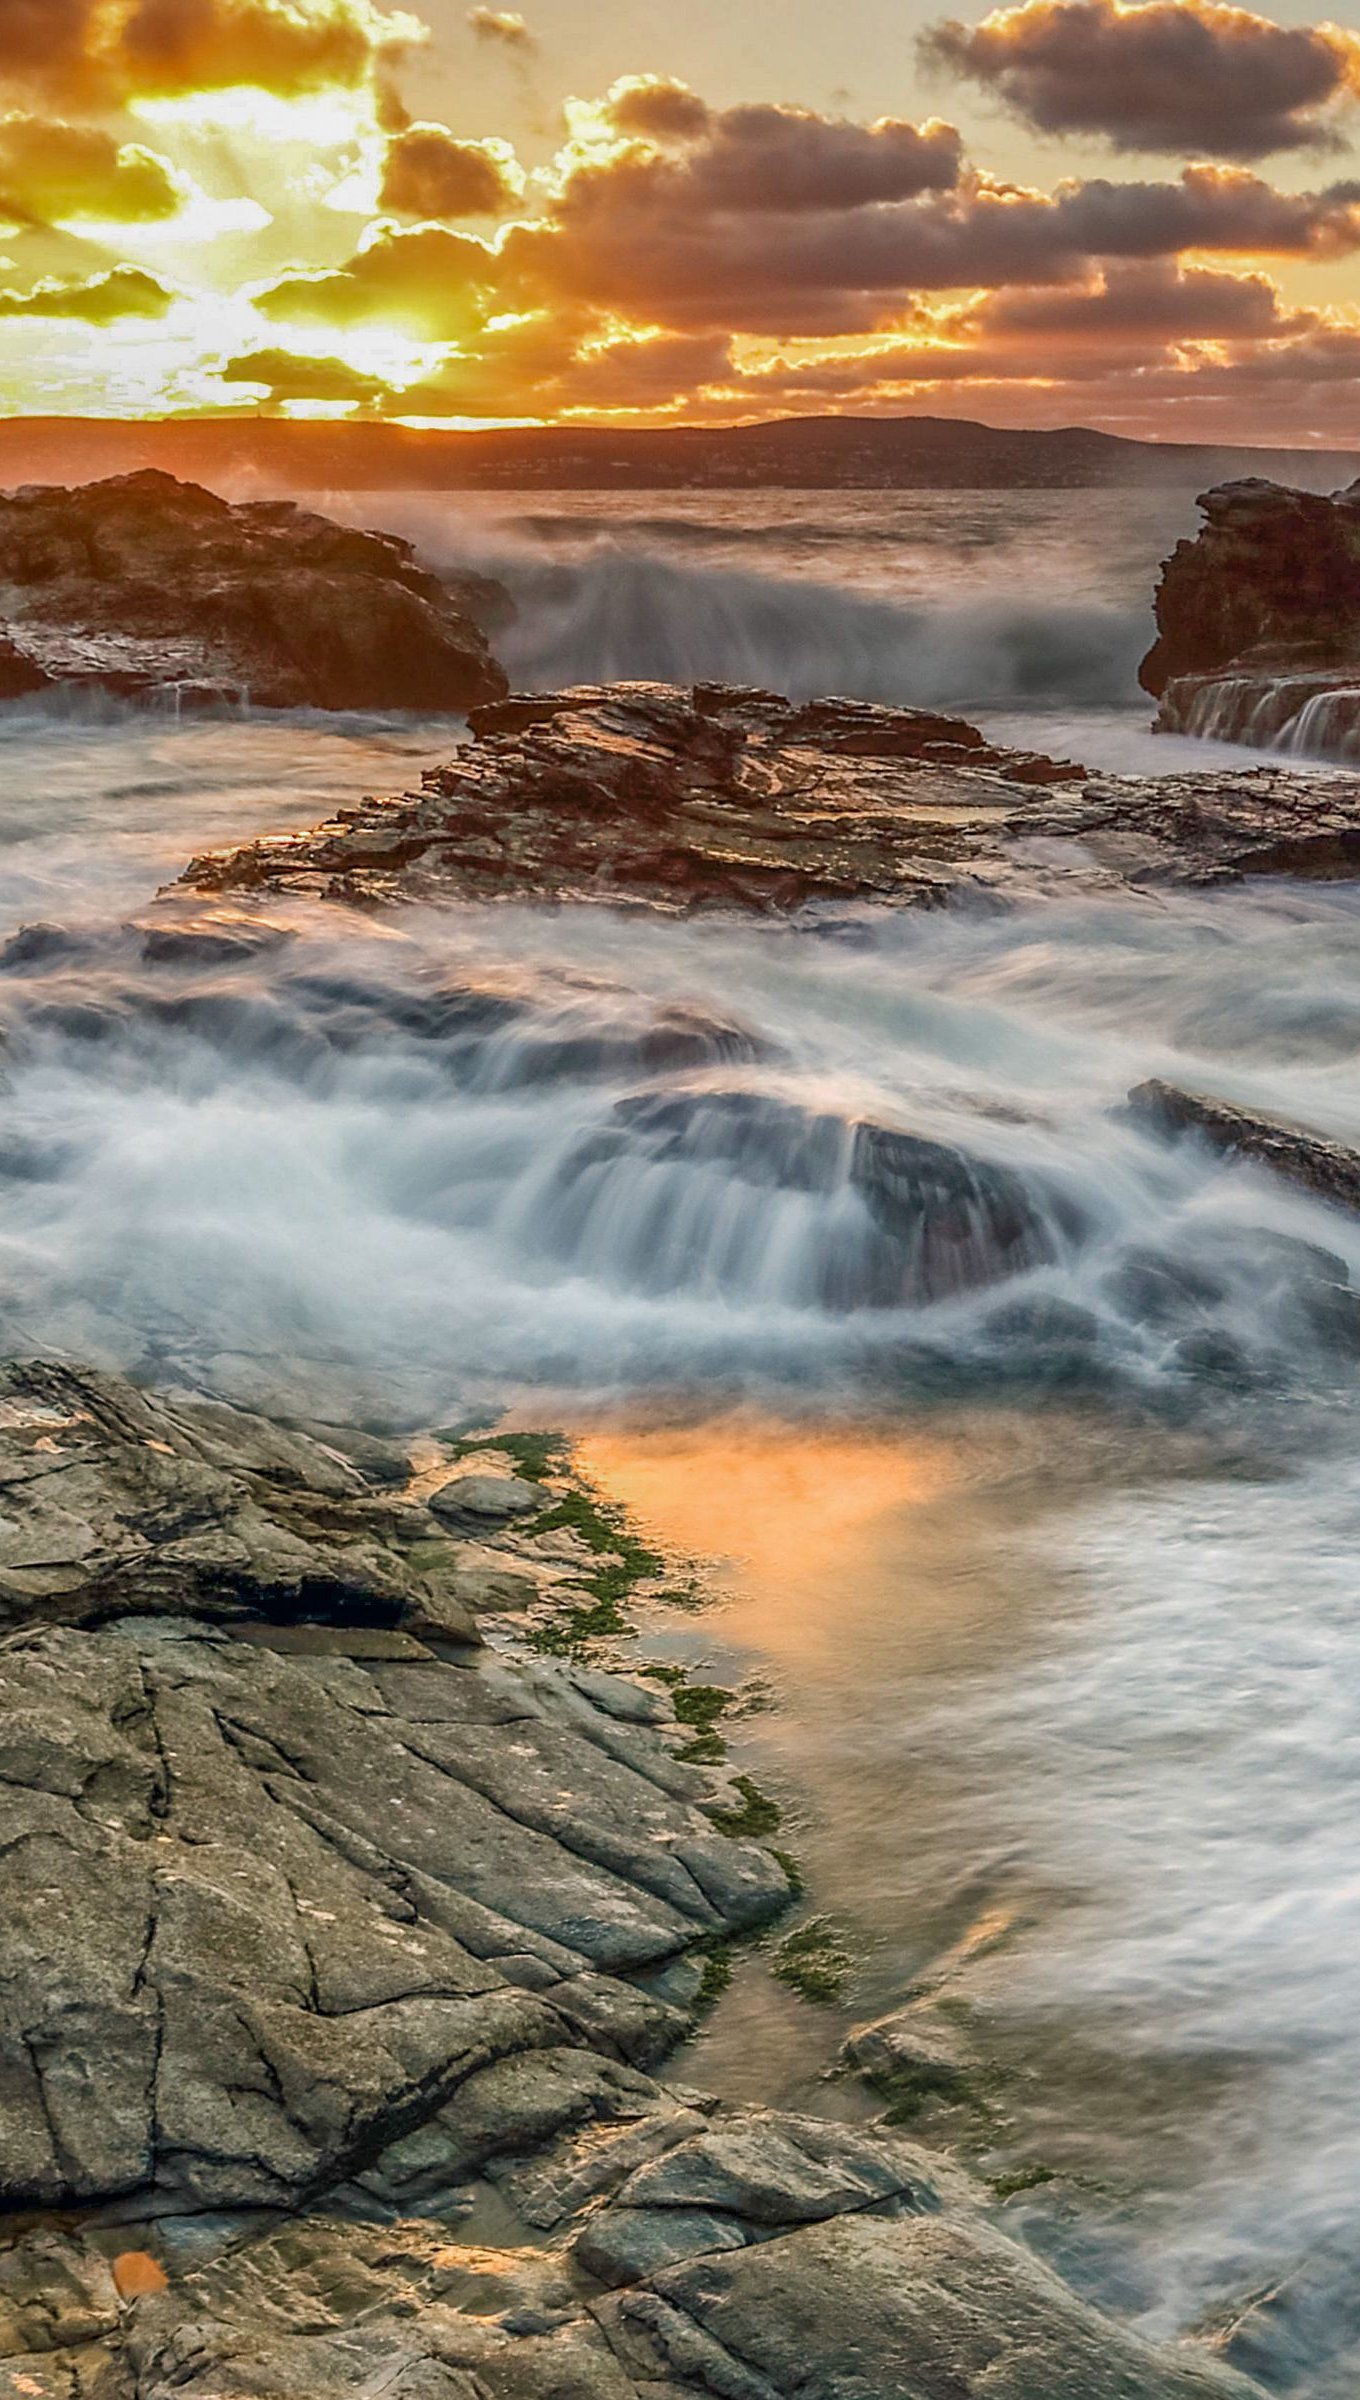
pixel 50 171
pixel 765 159
pixel 289 377
pixel 421 281
pixel 657 108
pixel 123 292
pixel 621 237
pixel 1185 76
pixel 430 173
pixel 1160 302
pixel 501 25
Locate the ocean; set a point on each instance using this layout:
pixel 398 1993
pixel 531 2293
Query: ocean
pixel 1052 1606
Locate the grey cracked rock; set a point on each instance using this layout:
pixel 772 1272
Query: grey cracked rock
pixel 112 1500
pixel 325 1991
pixel 261 1924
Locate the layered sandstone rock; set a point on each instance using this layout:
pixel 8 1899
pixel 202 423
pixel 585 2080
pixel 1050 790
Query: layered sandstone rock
pixel 1258 622
pixel 143 585
pixel 722 798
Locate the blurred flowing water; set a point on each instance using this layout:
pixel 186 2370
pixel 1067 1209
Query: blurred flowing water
pixel 1044 1535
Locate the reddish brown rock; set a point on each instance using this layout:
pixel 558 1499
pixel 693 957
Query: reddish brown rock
pixel 721 798
pixel 144 585
pixel 1258 621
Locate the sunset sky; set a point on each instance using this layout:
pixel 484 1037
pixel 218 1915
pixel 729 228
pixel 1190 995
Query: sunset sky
pixel 1067 211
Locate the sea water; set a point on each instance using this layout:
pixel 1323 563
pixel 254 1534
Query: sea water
pixel 1051 1580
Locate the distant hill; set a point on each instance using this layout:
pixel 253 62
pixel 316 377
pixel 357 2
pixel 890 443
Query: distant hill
pixel 792 453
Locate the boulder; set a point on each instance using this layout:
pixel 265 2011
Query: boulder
pixel 1258 622
pixel 925 1220
pixel 860 2308
pixel 142 584
pixel 488 1499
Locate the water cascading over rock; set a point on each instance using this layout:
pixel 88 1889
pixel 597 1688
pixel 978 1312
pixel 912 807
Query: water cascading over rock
pixel 1258 623
pixel 755 1196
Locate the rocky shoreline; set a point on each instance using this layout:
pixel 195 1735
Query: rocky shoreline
pixel 144 588
pixel 352 1909
pixel 717 797
pixel 356 1899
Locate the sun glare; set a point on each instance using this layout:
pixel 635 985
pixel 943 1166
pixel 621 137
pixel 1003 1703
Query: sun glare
pixel 320 120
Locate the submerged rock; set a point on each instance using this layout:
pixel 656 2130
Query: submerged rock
pixel 1258 622
pixel 142 585
pixel 712 797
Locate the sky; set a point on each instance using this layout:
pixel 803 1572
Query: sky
pixel 1143 217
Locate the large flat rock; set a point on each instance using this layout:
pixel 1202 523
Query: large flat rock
pixel 337 1961
pixel 684 799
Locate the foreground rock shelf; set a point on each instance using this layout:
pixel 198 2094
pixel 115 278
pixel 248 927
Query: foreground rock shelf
pixel 142 586
pixel 344 1931
pixel 716 797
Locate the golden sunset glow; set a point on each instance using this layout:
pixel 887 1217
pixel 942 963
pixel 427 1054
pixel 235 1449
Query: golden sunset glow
pixel 1143 216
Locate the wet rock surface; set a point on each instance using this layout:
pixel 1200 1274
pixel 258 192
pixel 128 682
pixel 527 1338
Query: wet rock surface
pixel 1329 1170
pixel 113 1502
pixel 715 797
pixel 1258 621
pixel 338 1959
pixel 143 585
pixel 917 1221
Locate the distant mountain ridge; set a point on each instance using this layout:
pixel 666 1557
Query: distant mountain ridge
pixel 788 453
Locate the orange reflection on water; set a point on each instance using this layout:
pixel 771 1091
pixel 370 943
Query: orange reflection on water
pixel 776 1509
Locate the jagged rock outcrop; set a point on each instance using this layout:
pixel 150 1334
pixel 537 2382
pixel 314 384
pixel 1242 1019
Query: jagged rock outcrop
pixel 722 798
pixel 143 585
pixel 336 1958
pixel 1329 1170
pixel 1258 622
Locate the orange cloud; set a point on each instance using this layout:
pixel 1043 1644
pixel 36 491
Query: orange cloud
pixel 93 51
pixel 644 239
pixel 1178 75
pixel 423 280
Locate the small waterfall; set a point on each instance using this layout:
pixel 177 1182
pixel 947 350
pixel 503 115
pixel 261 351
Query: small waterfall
pixel 1298 716
pixel 1327 726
